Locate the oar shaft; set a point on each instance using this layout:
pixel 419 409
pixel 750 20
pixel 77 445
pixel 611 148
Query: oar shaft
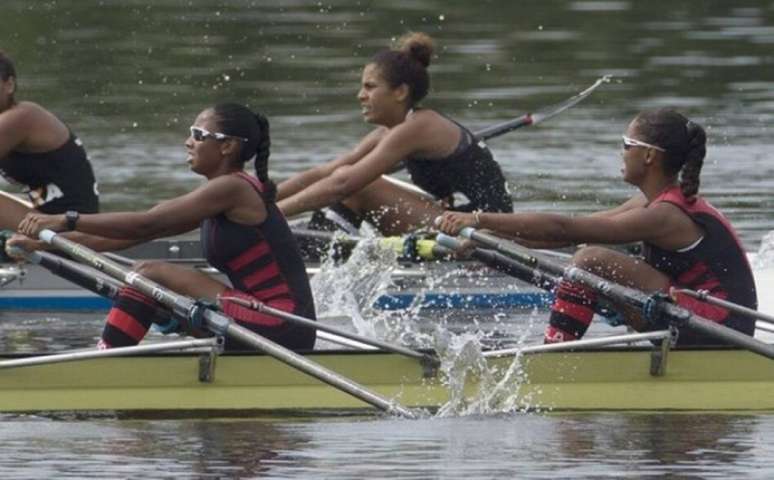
pixel 219 323
pixel 706 297
pixel 240 333
pixel 79 275
pixel 299 320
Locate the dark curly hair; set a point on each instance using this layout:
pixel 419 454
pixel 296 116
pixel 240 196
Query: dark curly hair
pixel 407 64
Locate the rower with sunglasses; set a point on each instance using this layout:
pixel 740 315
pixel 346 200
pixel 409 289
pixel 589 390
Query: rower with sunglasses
pixel 687 242
pixel 243 234
pixel 40 153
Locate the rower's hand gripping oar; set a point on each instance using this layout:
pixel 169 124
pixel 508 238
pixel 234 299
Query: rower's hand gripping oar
pixel 220 324
pixel 653 307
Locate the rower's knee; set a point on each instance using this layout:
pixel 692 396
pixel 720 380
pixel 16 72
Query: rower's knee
pixel 151 269
pixel 591 258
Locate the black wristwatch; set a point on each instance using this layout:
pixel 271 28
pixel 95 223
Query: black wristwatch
pixel 72 218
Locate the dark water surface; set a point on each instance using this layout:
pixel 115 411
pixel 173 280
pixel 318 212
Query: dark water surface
pixel 129 77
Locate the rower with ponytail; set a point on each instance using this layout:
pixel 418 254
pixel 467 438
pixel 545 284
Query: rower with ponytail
pixel 687 243
pixel 243 234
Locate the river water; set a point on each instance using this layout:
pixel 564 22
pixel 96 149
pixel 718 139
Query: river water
pixel 129 77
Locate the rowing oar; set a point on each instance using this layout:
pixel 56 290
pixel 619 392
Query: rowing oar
pixel 220 324
pixel 539 116
pixel 706 297
pixel 652 306
pixel 426 359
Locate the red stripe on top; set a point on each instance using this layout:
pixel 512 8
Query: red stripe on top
pixel 126 323
pixel 251 254
pixel 690 276
pixel 266 273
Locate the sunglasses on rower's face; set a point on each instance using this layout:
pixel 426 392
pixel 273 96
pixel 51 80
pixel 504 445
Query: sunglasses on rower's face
pixel 630 142
pixel 199 134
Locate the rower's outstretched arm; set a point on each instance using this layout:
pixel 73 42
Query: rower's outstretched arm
pixel 300 181
pixel 226 194
pixel 346 180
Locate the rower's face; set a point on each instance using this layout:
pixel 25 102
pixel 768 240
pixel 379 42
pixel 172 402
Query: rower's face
pixel 635 159
pixel 205 156
pixel 379 102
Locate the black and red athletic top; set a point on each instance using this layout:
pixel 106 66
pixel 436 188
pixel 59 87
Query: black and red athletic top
pixel 262 260
pixel 716 263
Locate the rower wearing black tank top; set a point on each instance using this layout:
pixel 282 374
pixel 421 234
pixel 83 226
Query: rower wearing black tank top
pixel 40 153
pixel 352 187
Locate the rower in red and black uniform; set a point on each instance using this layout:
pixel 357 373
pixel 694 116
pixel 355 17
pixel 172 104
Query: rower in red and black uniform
pixel 688 243
pixel 243 233
pixel 262 262
pixel 715 263
pixel 39 152
pixel 442 157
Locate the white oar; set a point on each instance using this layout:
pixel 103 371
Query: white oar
pixel 678 316
pixel 220 324
pixel 539 116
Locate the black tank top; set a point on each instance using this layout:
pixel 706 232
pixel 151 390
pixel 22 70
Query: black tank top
pixel 470 170
pixel 55 181
pixel 262 260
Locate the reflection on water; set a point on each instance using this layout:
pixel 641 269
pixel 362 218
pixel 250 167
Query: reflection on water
pixel 536 446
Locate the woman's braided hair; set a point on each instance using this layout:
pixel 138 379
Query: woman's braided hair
pixel 237 120
pixel 685 143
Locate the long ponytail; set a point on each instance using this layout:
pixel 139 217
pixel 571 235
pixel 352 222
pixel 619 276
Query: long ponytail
pixel 237 120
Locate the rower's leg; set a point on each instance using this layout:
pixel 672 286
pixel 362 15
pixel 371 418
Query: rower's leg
pixel 574 306
pixel 394 209
pixel 133 313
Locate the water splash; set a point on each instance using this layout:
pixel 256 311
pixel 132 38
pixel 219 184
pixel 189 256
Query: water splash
pixel 764 258
pixel 478 386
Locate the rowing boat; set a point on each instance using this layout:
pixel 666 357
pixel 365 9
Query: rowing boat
pixel 606 378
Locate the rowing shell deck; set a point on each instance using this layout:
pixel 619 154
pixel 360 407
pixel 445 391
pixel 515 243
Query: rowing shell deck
pixel 609 379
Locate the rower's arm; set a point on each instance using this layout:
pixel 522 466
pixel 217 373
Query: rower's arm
pixel 396 145
pixel 636 224
pixel 227 195
pixel 302 180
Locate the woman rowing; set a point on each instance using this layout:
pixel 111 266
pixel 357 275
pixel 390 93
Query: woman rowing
pixel 687 242
pixel 38 151
pixel 243 234
pixel 442 156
